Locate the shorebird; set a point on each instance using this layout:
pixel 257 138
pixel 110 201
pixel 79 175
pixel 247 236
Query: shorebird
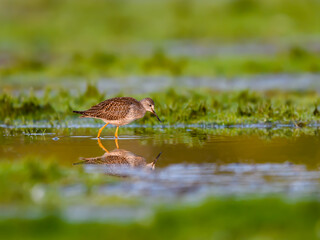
pixel 119 111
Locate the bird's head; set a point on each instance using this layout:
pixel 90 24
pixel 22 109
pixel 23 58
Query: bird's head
pixel 148 105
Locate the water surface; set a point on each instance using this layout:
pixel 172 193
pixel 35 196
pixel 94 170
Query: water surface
pixel 184 162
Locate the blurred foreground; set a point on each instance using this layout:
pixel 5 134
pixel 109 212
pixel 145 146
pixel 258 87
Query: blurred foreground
pixel 221 219
pixel 207 183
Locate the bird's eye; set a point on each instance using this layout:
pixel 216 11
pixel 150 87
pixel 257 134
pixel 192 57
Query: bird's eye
pixel 150 105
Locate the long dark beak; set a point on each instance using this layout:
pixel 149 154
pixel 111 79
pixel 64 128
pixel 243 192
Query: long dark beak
pixel 153 164
pixel 156 115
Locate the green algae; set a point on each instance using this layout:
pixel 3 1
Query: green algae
pixel 173 106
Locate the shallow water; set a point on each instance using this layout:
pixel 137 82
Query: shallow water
pixel 184 162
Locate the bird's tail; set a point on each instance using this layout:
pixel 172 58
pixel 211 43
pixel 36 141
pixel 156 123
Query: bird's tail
pixel 84 115
pixel 80 112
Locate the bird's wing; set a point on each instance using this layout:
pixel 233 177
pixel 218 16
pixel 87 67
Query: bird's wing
pixel 118 160
pixel 112 109
pixel 109 159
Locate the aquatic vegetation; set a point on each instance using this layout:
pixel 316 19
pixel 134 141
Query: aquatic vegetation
pixel 225 219
pixel 196 106
pixel 56 43
pixel 160 63
pixel 22 107
pixel 53 46
pixel 173 107
pixel 242 20
pixel 21 177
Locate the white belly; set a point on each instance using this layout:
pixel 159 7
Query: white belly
pixel 119 122
pixel 131 116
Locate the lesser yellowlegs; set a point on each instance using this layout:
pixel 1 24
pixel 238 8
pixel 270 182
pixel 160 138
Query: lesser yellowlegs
pixel 119 111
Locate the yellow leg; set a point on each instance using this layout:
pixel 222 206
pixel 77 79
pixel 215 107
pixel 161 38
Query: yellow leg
pixel 100 145
pixel 116 141
pixel 116 134
pixel 100 130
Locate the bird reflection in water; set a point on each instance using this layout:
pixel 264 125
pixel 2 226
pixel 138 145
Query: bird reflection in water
pixel 118 162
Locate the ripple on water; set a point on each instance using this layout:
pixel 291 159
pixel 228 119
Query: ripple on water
pixel 211 179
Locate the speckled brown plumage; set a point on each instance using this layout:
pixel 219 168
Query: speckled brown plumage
pixel 113 108
pixel 119 111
